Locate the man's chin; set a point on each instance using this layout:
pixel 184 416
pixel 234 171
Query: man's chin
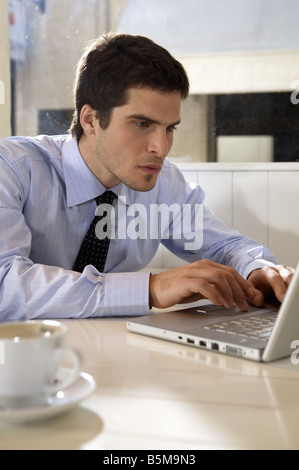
pixel 147 184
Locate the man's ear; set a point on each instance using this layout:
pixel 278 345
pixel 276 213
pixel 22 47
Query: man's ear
pixel 88 119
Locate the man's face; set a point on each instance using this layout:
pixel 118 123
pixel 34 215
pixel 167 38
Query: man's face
pixel 133 147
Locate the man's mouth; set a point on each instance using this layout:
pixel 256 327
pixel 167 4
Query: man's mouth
pixel 151 169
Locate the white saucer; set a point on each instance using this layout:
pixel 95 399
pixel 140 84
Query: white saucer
pixel 58 403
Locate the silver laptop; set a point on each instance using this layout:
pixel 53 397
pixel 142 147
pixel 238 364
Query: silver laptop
pixel 260 334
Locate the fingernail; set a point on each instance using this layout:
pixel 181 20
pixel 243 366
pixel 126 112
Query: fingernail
pixel 244 305
pixel 229 304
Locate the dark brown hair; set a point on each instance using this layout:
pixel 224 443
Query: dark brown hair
pixel 114 63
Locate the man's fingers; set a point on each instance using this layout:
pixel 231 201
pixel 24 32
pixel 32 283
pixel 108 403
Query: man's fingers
pixel 257 299
pixel 220 284
pixel 234 289
pixel 280 281
pixel 230 288
pixel 272 279
pixel 286 273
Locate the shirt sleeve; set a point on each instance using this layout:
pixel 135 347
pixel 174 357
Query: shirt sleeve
pixel 31 290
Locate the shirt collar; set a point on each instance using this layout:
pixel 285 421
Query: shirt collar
pixel 81 184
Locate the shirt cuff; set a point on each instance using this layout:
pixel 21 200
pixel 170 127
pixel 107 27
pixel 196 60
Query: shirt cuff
pixel 126 294
pixel 256 265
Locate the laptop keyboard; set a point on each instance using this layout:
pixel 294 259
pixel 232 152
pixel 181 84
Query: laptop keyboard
pixel 256 327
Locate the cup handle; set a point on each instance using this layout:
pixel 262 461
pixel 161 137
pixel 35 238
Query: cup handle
pixel 73 372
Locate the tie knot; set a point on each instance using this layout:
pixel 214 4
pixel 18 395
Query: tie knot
pixel 106 198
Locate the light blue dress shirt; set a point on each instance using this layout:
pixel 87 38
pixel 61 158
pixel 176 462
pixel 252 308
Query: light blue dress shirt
pixel 47 201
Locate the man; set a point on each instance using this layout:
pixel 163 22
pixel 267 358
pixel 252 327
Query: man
pixel 128 93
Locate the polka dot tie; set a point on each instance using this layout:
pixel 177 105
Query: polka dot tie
pixel 95 245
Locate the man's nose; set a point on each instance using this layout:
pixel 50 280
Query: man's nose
pixel 160 143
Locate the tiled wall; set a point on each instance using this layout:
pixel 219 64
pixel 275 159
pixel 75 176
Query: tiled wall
pixel 261 201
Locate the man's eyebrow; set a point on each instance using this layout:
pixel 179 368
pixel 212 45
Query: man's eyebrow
pixel 141 117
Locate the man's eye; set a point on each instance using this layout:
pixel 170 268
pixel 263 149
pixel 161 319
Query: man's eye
pixel 142 124
pixel 171 129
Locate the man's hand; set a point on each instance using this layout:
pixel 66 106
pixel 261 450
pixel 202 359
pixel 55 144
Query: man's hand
pixel 220 284
pixel 270 280
pixel 203 279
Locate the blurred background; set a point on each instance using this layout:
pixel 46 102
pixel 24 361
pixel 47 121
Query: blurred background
pixel 242 57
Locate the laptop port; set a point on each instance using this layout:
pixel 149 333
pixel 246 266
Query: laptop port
pixel 233 351
pixel 215 346
pixel 189 340
pixel 203 344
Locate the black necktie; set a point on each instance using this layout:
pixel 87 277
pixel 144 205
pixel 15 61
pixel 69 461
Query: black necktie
pixel 95 245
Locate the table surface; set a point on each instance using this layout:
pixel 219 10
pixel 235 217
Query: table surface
pixel 151 394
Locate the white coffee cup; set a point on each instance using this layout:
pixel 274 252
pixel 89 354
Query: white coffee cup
pixel 30 355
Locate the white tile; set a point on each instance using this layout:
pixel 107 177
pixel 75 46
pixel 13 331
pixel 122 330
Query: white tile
pixel 218 188
pixel 250 204
pixel 284 215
